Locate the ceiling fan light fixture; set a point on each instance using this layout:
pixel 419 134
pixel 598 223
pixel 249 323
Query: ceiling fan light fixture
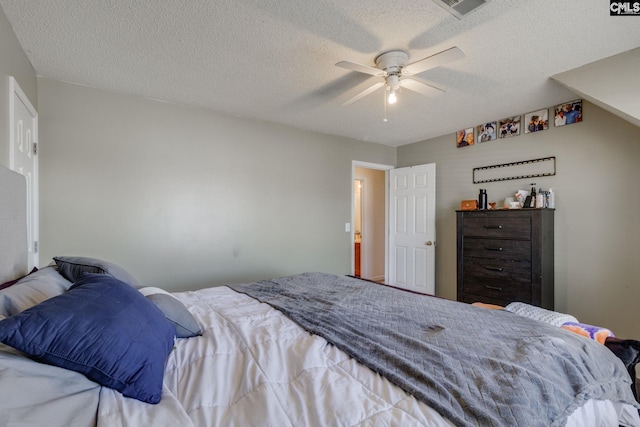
pixel 392 99
pixel 393 72
pixel 393 82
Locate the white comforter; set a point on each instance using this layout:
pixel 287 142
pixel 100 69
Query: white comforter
pixel 255 367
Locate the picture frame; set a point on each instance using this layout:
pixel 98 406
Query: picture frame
pixel 536 121
pixel 509 126
pixel 567 113
pixel 487 132
pixel 464 138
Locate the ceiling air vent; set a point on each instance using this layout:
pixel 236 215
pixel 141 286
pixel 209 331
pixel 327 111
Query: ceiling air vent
pixel 460 8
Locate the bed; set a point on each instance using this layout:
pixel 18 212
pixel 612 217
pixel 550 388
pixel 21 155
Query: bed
pixel 84 344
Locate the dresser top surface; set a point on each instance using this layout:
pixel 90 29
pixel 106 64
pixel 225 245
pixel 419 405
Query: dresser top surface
pixel 507 210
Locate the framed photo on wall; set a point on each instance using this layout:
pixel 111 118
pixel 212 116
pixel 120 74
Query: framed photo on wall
pixel 509 127
pixel 536 121
pixel 567 113
pixel 464 138
pixel 487 131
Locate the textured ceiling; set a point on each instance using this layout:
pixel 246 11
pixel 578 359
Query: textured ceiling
pixel 274 60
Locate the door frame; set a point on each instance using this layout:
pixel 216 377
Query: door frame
pixel 375 166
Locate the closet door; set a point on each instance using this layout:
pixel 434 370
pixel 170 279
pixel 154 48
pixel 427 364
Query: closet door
pixel 23 158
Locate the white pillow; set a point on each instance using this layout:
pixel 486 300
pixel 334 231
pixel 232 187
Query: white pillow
pixel 31 290
pixel 532 312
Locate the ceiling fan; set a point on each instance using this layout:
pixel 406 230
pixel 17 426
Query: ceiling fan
pixel 394 71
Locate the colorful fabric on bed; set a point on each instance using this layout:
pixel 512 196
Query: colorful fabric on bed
pixel 475 366
pixel 595 333
pixel 488 306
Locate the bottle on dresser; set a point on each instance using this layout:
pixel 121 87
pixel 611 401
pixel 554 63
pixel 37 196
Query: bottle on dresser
pixel 482 199
pixel 540 199
pixel 530 201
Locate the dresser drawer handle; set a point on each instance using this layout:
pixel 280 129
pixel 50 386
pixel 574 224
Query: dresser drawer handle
pixel 500 269
pixel 493 288
pixel 493 249
pixel 493 227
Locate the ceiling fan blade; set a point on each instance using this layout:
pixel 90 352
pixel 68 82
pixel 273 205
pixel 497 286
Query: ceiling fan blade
pixel 421 88
pixel 433 61
pixel 364 93
pixel 361 68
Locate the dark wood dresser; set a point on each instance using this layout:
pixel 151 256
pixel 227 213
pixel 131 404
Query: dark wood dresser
pixel 506 256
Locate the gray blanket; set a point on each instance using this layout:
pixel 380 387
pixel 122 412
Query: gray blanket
pixel 477 367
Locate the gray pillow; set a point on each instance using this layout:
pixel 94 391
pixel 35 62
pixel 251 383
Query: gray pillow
pixel 32 290
pixel 175 312
pixel 72 267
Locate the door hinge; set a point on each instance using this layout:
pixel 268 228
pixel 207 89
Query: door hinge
pixel 35 246
pixel 35 148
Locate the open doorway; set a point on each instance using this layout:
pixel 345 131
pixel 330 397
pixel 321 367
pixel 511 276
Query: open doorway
pixel 397 225
pixel 369 208
pixel 358 216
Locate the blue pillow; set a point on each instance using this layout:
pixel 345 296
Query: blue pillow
pixel 102 328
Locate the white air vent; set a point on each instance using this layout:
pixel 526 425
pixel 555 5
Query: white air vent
pixel 460 8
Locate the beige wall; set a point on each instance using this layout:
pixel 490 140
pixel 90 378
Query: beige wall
pixel 13 62
pixel 610 83
pixel 184 197
pixel 597 236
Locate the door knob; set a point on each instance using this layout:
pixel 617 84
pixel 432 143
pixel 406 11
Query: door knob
pixel 429 243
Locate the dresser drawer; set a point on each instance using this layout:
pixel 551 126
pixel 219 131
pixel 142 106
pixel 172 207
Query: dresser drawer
pixel 498 289
pixel 471 298
pixel 495 271
pixel 514 250
pixel 498 227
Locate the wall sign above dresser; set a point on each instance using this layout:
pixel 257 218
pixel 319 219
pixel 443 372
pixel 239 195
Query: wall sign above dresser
pixel 545 166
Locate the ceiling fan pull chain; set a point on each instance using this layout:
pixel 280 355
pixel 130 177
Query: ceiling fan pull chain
pixel 384 95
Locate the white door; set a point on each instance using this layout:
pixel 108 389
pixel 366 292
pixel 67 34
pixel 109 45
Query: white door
pixel 23 140
pixel 412 240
